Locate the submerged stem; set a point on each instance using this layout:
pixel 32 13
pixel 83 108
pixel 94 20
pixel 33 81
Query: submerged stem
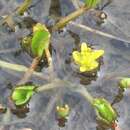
pixel 72 87
pixel 24 6
pixel 86 94
pixel 86 28
pixel 29 72
pixel 69 18
pixel 50 64
pixel 48 56
pixel 20 10
pixel 55 84
pixel 20 68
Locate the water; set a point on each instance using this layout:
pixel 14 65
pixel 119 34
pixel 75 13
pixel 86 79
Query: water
pixel 42 106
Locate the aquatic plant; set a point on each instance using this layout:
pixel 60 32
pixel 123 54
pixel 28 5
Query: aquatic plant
pixel 104 111
pixel 87 58
pixel 37 45
pixel 63 112
pixel 92 3
pixel 40 39
pixel 21 95
pixel 124 83
pixel 38 42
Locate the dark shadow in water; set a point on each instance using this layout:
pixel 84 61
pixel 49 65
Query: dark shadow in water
pixel 55 9
pixel 118 97
pixel 20 112
pixel 104 5
pixel 76 38
pixel 61 122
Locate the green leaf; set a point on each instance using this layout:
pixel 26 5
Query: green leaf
pixel 40 41
pixel 21 95
pixel 124 83
pixel 104 110
pixel 92 3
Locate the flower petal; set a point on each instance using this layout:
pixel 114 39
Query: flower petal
pixel 83 69
pixel 93 65
pixel 76 56
pixel 84 47
pixel 97 54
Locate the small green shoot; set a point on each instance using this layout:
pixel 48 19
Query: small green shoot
pixel 104 110
pixel 124 83
pixel 21 95
pixel 63 112
pixel 40 40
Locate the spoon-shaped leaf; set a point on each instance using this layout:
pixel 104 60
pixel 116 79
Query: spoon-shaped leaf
pixel 21 95
pixel 40 40
pixel 105 111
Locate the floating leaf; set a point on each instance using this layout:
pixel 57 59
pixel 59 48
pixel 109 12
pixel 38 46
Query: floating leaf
pixel 92 3
pixel 124 83
pixel 104 110
pixel 40 40
pixel 21 95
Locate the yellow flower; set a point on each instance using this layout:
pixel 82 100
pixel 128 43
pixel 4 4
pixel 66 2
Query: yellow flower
pixel 87 58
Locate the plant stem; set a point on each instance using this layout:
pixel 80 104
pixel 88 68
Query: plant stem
pixel 48 56
pixel 85 94
pixel 98 32
pixel 117 128
pixel 7 116
pixel 76 88
pixel 55 84
pixel 29 72
pixel 69 18
pixel 81 90
pixel 20 10
pixel 24 6
pixel 50 64
pixel 10 50
pixel 20 68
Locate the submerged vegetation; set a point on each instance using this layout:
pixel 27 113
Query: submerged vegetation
pixel 38 45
